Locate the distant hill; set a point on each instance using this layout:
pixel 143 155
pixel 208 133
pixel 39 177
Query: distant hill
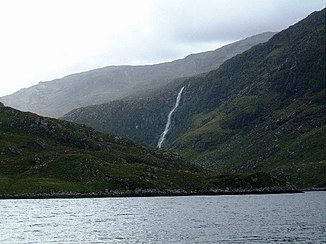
pixel 42 157
pixel 57 97
pixel 261 110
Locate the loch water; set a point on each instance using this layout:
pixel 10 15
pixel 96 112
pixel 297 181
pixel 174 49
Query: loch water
pixel 281 218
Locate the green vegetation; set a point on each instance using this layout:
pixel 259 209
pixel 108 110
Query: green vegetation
pixel 263 110
pixel 43 155
pixel 272 117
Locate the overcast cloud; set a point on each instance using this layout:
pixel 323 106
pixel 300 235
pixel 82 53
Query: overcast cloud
pixel 43 40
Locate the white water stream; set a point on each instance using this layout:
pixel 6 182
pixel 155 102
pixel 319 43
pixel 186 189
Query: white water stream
pixel 168 122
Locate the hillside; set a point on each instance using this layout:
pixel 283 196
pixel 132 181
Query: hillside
pixel 51 158
pixel 57 97
pixel 261 110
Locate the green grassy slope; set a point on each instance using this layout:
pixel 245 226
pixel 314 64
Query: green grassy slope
pixel 43 155
pixel 272 117
pixel 261 110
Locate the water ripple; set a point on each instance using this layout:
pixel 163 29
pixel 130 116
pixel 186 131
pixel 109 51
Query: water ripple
pixel 286 218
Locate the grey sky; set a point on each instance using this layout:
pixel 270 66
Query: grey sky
pixel 43 40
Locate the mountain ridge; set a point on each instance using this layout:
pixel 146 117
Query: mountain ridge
pixel 57 97
pixel 267 104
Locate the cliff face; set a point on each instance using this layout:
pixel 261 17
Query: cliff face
pixel 261 110
pixel 57 97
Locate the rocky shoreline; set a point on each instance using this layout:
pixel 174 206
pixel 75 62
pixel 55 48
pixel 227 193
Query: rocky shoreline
pixel 150 193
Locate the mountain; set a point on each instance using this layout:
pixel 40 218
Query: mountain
pixel 43 157
pixel 261 110
pixel 57 97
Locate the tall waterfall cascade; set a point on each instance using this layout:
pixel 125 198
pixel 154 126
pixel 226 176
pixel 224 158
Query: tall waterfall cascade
pixel 168 122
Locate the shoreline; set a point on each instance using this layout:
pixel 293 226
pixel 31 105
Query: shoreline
pixel 147 193
pixel 314 189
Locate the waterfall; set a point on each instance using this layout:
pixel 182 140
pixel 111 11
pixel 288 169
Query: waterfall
pixel 168 122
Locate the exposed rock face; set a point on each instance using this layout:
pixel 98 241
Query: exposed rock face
pixel 57 97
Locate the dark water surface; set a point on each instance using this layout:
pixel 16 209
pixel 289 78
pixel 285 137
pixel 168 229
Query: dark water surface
pixel 284 218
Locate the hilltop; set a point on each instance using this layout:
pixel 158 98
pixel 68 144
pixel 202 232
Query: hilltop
pixel 57 97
